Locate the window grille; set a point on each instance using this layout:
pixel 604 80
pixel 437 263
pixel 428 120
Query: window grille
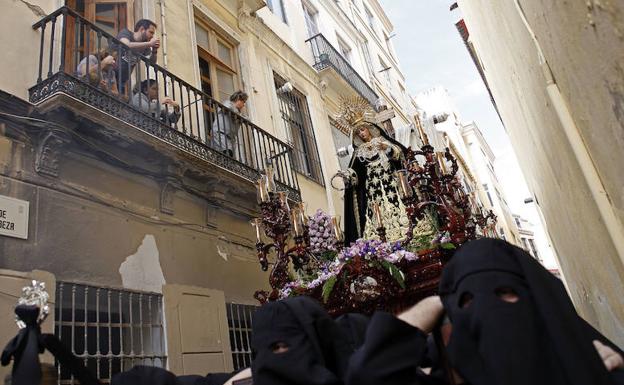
pixel 112 330
pixel 239 323
pixel 298 124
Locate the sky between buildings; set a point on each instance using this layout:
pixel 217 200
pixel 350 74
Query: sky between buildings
pixel 431 53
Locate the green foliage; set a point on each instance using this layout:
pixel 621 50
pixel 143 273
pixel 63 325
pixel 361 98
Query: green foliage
pixel 395 273
pixel 448 246
pixel 328 286
pixel 328 255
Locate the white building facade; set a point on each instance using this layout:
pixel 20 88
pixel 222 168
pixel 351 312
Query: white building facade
pixel 471 148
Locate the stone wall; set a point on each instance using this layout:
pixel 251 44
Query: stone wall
pixel 584 49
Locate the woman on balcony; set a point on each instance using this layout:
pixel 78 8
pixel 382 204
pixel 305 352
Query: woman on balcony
pixel 101 68
pixel 226 125
pixel 146 100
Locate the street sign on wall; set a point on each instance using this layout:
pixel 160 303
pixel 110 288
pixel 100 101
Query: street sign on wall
pixel 13 217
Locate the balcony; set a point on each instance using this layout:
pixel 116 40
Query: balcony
pixel 326 56
pixel 75 76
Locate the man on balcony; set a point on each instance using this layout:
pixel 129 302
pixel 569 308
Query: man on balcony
pixel 141 42
pixel 146 100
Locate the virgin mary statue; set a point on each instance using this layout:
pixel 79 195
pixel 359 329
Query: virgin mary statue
pixel 372 186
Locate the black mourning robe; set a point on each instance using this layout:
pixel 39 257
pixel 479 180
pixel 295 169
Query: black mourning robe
pixel 356 207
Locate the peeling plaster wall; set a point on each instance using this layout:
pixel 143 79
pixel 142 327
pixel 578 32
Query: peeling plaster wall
pixel 585 48
pixel 108 230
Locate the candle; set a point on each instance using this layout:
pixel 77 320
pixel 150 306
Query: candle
pixel 284 200
pixel 296 221
pixel 378 214
pixel 405 190
pixel 337 230
pixel 442 162
pixel 421 131
pixel 270 175
pixel 261 186
pixel 256 223
pixel 304 217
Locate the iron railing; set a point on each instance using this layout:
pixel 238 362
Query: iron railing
pixel 110 330
pixel 72 61
pixel 325 55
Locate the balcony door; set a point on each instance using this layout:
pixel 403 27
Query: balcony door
pixel 110 16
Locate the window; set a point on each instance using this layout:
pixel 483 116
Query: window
pixel 239 323
pixel 533 248
pixel 385 70
pixel 341 141
pixel 311 16
pixel 217 64
pixel 402 90
pixel 485 187
pixel 293 107
pixel 517 222
pixel 367 57
pixel 370 18
pixel 525 245
pixel 388 45
pixel 111 330
pixel 344 49
pixel 277 7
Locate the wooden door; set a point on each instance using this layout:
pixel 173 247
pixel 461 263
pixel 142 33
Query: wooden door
pixel 110 16
pixel 198 337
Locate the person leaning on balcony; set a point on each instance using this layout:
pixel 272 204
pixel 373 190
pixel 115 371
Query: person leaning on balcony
pixel 226 125
pixel 141 42
pixel 107 60
pixel 167 111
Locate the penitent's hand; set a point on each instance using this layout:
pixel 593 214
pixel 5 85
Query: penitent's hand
pixel 612 359
pixel 425 314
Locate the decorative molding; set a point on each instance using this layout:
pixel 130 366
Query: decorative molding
pixel 167 195
pixel 48 152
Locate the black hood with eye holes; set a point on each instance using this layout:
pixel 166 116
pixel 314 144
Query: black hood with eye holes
pixel 318 351
pixel 540 339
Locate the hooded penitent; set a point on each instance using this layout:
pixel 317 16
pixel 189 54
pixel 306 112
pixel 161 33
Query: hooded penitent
pixel 513 322
pixel 295 342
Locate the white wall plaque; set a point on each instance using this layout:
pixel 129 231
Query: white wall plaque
pixel 13 217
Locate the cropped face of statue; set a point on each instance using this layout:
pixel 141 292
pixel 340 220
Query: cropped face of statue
pixel 364 133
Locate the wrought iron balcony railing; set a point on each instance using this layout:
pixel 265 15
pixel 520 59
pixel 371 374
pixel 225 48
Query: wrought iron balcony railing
pixel 325 56
pixel 81 60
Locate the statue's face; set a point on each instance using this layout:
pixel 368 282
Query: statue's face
pixel 364 133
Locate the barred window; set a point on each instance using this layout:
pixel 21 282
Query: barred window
pixel 112 330
pixel 298 124
pixel 239 323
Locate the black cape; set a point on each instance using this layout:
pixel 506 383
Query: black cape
pixel 355 200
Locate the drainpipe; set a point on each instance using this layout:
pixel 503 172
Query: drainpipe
pixel 163 33
pixel 571 130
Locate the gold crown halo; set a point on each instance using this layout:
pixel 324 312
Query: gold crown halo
pixel 354 111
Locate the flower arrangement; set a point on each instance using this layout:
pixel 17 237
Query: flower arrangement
pixel 382 255
pixel 322 238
